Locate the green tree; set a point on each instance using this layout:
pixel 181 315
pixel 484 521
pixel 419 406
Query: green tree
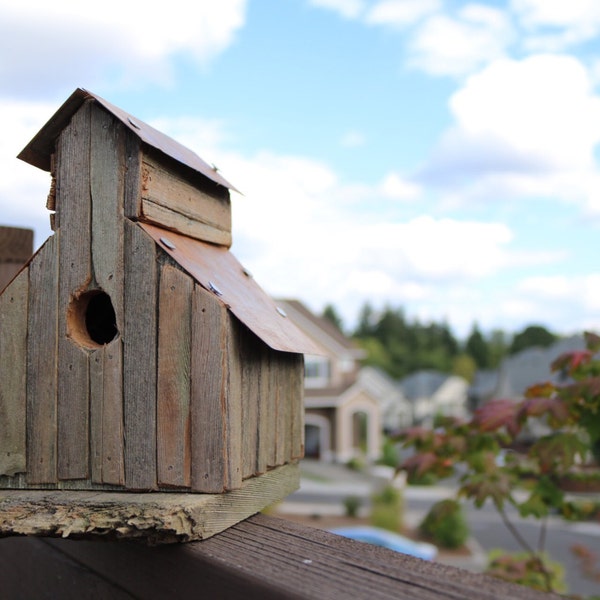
pixel 478 348
pixel 331 314
pixel 530 337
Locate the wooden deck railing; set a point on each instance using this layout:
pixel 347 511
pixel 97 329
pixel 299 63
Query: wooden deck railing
pixel 260 558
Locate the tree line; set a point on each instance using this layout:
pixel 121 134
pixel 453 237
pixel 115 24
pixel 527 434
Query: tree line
pixel 401 346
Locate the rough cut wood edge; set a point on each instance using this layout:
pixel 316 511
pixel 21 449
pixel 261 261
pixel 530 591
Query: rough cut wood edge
pixel 261 558
pixel 156 518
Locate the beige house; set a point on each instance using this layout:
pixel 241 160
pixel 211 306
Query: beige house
pixel 343 411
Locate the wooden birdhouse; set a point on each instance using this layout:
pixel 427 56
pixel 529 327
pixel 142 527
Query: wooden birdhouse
pixel 136 353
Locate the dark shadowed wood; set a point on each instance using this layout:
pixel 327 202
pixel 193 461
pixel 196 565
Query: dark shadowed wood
pixel 208 398
pixel 106 364
pixel 106 410
pixel 73 204
pixel 31 568
pixel 261 558
pixel 41 365
pixel 13 379
pixel 173 394
pixel 139 359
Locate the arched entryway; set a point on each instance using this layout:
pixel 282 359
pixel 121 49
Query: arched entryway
pixel 317 437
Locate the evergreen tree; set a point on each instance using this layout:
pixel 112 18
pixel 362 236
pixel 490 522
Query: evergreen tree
pixel 331 315
pixel 478 348
pixel 531 337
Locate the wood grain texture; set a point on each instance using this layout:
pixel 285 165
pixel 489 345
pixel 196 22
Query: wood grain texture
pixel 174 367
pixel 233 402
pixel 265 430
pixel 157 518
pixel 73 204
pixel 133 166
pixel 274 411
pixel 261 558
pixel 250 351
pixel 139 359
pixel 297 402
pixel 107 173
pixel 209 393
pixel 106 414
pixel 41 364
pixel 171 201
pixel 13 375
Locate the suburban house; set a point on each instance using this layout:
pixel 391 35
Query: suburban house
pixel 516 373
pixel 432 394
pixel 346 407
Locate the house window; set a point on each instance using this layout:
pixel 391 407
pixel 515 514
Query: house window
pixel 316 372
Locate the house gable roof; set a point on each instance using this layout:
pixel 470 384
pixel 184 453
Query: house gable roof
pixel 41 147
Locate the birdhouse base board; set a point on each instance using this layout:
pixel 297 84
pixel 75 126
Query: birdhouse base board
pixel 153 518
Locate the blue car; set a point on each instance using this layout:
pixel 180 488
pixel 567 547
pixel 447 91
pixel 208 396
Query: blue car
pixel 388 539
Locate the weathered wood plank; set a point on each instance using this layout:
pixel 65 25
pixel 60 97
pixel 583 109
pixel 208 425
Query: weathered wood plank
pixel 262 558
pixel 41 365
pixel 13 375
pixel 106 179
pixel 158 518
pixel 297 401
pixel 106 414
pixel 233 402
pixel 107 240
pixel 73 203
pixel 133 163
pixel 139 359
pixel 274 410
pixel 172 202
pixel 265 432
pixel 174 365
pixel 251 378
pixel 208 393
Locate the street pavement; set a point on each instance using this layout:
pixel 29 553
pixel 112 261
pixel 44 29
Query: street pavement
pixel 324 487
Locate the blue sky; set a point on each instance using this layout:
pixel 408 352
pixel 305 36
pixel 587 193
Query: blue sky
pixel 436 155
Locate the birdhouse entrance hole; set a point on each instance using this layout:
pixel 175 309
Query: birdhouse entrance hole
pixel 91 319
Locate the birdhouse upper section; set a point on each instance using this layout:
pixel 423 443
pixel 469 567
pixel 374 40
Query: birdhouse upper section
pixel 177 189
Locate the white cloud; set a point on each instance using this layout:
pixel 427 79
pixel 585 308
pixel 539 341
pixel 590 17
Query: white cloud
pixel 84 45
pixel 401 13
pixel 528 127
pixel 349 9
pixel 398 188
pixel 23 188
pixel 444 45
pixel 555 24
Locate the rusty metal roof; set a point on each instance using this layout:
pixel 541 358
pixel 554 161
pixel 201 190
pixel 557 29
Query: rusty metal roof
pixel 217 270
pixel 40 148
